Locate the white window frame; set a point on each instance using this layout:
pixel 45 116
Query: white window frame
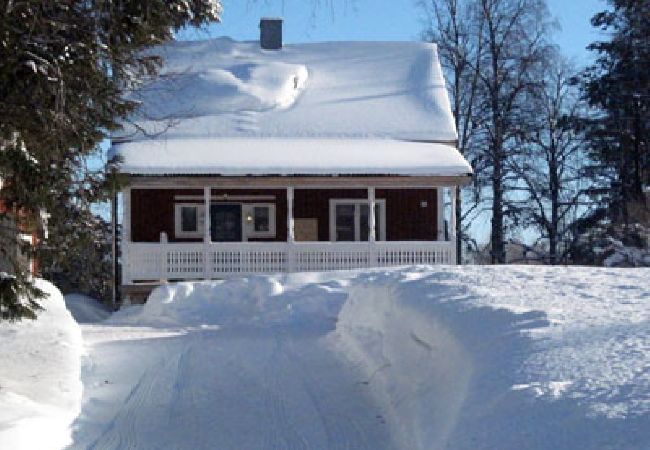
pixel 248 228
pixel 200 220
pixel 379 203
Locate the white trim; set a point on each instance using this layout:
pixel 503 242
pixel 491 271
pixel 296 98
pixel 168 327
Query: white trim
pixel 126 215
pixel 452 219
pixel 372 226
pixel 356 201
pixel 441 212
pixel 291 228
pixel 179 186
pixel 220 198
pixel 200 220
pixel 207 236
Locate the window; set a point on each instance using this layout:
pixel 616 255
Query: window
pixel 349 220
pixel 189 220
pixel 259 220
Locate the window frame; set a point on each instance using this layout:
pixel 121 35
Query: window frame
pixel 249 227
pixel 178 217
pixel 379 203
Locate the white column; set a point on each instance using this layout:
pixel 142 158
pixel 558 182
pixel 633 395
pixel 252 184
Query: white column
pixel 207 194
pixel 441 212
pixel 207 237
pixel 126 215
pixel 452 226
pixel 452 220
pixel 291 237
pixel 126 235
pixel 372 227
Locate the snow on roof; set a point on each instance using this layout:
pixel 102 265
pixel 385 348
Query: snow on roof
pixel 222 88
pixel 299 156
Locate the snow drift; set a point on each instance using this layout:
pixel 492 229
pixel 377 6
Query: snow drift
pixel 40 386
pixel 461 357
pixel 86 309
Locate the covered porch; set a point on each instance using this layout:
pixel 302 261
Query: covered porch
pixel 224 227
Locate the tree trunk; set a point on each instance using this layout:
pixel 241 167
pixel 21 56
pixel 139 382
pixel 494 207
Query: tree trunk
pixel 553 232
pixel 459 227
pixel 498 247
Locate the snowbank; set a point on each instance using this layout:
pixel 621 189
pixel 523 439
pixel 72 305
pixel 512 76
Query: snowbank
pixel 40 387
pixel 462 357
pixel 505 357
pixel 264 301
pixel 85 309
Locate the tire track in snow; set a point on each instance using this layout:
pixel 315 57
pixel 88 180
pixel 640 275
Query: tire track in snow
pixel 292 438
pixel 122 430
pixel 235 389
pixel 343 430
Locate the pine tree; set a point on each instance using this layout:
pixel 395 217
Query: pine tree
pixel 618 87
pixel 65 66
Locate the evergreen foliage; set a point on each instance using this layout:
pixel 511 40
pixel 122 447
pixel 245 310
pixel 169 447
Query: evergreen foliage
pixel 77 255
pixel 65 67
pixel 618 86
pixel 18 298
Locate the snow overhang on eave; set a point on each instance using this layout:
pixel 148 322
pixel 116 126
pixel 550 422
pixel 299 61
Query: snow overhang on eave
pixel 282 157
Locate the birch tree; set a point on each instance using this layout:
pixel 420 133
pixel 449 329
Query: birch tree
pixel 553 189
pixel 456 28
pixel 515 34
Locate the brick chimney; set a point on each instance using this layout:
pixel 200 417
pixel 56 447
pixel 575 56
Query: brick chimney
pixel 271 33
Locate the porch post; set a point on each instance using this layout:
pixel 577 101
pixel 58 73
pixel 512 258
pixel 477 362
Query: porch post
pixel 452 220
pixel 291 237
pixel 207 193
pixel 207 238
pixel 372 227
pixel 452 225
pixel 126 235
pixel 440 191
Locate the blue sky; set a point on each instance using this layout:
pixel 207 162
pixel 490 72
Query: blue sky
pixel 390 20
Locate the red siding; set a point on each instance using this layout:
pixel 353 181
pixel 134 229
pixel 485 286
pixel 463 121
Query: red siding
pixel 152 211
pixel 407 219
pixel 411 214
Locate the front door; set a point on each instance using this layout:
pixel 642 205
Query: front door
pixel 225 223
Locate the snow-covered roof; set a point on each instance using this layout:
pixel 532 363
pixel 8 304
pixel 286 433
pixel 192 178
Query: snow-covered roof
pixel 223 88
pixel 231 108
pixel 282 156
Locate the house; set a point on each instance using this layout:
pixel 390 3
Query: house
pixel 246 158
pixel 17 230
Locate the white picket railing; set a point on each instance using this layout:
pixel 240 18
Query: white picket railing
pixel 180 261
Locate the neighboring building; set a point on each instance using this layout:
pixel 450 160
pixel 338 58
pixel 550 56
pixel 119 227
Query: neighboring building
pixel 244 160
pixel 18 228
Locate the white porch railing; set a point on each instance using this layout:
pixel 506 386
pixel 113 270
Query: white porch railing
pixel 162 261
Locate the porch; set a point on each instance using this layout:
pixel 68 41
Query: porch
pixel 190 261
pixel 233 231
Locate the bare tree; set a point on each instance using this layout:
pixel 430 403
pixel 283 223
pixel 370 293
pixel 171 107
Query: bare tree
pixel 554 190
pixel 516 48
pixel 456 28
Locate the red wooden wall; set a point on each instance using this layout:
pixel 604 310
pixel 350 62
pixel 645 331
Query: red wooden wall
pixel 411 214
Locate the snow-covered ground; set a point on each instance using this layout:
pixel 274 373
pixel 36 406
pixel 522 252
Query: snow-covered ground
pixel 415 358
pixel 40 388
pixel 85 309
